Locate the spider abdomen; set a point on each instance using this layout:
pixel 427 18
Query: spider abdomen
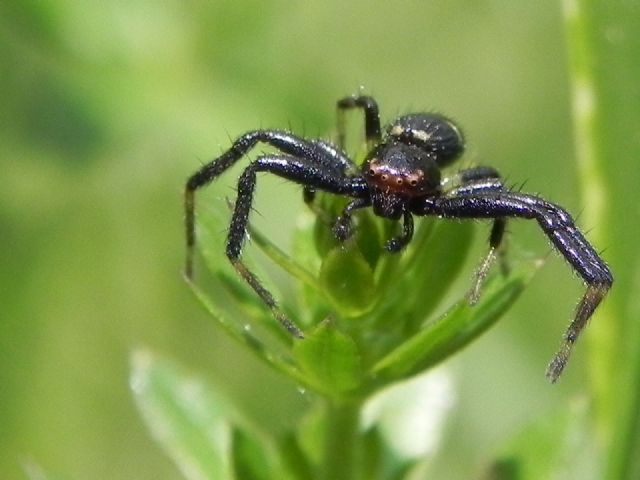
pixel 431 132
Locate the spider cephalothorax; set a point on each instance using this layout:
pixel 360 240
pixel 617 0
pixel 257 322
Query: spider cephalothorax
pixel 407 170
pixel 400 177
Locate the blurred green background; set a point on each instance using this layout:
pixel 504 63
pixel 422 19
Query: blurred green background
pixel 107 107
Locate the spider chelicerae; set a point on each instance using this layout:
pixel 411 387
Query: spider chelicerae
pixel 399 178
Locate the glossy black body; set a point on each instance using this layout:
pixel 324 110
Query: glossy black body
pixel 400 177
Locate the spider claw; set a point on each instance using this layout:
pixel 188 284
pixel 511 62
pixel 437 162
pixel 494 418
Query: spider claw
pixel 393 245
pixel 557 364
pixel 289 325
pixel 593 296
pixel 342 229
pixel 480 276
pixel 188 273
pixel 473 295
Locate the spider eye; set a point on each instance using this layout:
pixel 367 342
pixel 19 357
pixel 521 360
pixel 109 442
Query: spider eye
pixel 399 181
pixel 413 182
pixel 372 172
pixel 384 176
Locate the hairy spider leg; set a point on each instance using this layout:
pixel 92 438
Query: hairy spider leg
pixel 342 228
pixel 371 118
pixel 319 151
pixel 559 227
pixel 482 180
pixel 372 135
pixel 335 160
pixel 295 169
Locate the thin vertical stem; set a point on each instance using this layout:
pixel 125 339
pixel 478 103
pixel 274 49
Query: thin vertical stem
pixel 588 132
pixel 341 449
pixel 603 52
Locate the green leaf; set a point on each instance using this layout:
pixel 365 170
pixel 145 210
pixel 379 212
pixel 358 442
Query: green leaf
pixel 242 295
pixel 330 360
pixel 311 309
pixel 386 271
pixel 188 421
pixel 303 247
pixel 211 237
pixel 435 264
pixel 326 208
pixel 211 245
pixel 456 328
pixel 202 431
pixel 245 337
pixel 347 279
pixel 411 285
pixel 283 260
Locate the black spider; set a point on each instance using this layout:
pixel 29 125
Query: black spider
pixel 399 178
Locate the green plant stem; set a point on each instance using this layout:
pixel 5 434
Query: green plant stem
pixel 603 52
pixel 604 334
pixel 340 454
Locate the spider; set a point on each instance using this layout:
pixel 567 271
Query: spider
pixel 399 178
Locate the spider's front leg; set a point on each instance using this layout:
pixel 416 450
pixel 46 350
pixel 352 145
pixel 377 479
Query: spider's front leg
pixel 343 228
pixel 316 151
pixel 559 228
pixel 300 171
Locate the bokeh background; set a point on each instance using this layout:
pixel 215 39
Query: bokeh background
pixel 107 107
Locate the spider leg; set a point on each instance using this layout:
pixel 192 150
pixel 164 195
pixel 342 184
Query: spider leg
pixel 371 118
pixel 309 195
pixel 482 180
pixel 476 178
pixel 396 244
pixel 316 151
pixel 336 161
pixel 292 168
pixel 559 227
pixel 342 227
pixel 494 253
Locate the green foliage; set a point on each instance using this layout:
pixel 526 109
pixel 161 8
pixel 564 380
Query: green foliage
pixel 329 360
pixel 455 329
pixel 372 330
pixel 202 432
pixel 349 298
pixel 191 424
